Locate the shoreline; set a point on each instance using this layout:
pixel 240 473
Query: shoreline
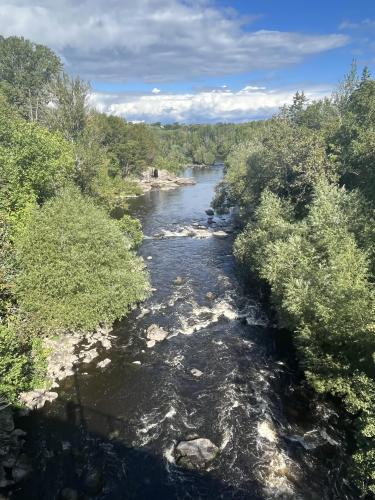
pixel 165 181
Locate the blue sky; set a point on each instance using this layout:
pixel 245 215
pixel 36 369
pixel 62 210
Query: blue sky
pixel 199 60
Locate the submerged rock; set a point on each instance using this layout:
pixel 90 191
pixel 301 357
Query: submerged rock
pixel 210 296
pixel 196 372
pixel 195 454
pixel 6 420
pixel 178 281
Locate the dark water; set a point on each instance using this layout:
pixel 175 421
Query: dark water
pixel 275 439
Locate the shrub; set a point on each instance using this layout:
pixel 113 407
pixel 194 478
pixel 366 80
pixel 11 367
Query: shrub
pixel 76 267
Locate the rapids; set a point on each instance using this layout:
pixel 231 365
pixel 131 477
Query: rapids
pixel 112 431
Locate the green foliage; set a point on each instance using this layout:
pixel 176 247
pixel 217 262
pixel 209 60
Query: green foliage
pixel 34 163
pixel 26 69
pixel 76 267
pixel 132 229
pixel 170 158
pixel 68 108
pixel 312 241
pixel 112 190
pixel 22 362
pixel 132 147
pixel 7 270
pixel 355 140
pixel 319 279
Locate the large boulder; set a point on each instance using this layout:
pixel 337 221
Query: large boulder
pixel 196 453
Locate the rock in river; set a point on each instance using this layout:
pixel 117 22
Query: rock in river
pixel 104 363
pixel 196 372
pixel 220 234
pixel 37 398
pixel 156 333
pixel 195 454
pixel 210 212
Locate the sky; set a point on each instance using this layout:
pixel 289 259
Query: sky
pixel 199 61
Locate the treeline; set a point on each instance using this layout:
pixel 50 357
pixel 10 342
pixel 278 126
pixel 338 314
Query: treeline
pixel 305 184
pixel 65 263
pixel 202 144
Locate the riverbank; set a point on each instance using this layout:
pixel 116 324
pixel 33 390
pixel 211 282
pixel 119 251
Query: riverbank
pixel 164 181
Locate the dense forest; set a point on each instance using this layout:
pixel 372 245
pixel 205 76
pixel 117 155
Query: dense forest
pixel 304 182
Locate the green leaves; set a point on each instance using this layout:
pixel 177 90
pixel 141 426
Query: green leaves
pixel 314 253
pixel 76 267
pixel 26 69
pixel 34 163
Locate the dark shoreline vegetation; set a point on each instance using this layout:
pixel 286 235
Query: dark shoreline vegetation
pixel 304 182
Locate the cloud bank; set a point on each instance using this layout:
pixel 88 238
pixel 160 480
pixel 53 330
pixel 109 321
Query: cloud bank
pixel 220 105
pixel 155 40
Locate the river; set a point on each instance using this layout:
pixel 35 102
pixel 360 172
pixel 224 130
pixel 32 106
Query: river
pixel 121 423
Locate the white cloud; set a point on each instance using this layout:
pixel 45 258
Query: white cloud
pixel 250 88
pixel 214 106
pixel 155 40
pixel 156 91
pixel 365 23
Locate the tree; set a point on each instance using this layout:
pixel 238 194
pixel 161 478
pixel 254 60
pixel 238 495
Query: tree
pixel 346 88
pixel 68 107
pixel 26 69
pixel 34 163
pixel 76 267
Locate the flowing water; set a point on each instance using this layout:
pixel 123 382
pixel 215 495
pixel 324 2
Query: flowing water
pixel 122 422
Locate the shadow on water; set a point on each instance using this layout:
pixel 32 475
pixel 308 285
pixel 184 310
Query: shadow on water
pixel 70 462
